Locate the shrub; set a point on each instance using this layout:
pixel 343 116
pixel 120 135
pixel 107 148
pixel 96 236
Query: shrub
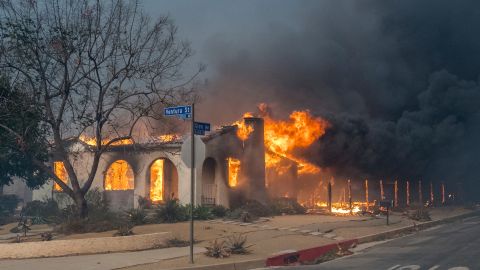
pixel 144 202
pixel 171 212
pixel 8 204
pixel 421 215
pixel 46 236
pixel 124 230
pixel 137 216
pixel 217 249
pixel 177 242
pixel 287 206
pixel 201 212
pixel 42 211
pixel 219 211
pixel 236 244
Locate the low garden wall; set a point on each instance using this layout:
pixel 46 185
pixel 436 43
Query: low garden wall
pixel 57 248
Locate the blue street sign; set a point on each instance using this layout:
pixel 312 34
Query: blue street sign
pixel 201 126
pixel 181 111
pixel 199 132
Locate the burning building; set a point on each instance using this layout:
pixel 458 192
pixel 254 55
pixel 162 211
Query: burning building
pixel 252 159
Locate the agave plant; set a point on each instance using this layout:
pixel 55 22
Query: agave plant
pixel 236 244
pixel 217 249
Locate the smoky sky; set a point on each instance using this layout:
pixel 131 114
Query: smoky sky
pixel 398 80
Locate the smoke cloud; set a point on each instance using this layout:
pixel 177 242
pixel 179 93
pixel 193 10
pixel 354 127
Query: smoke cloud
pixel 398 80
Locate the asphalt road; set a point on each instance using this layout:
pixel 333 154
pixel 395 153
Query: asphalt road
pixel 454 246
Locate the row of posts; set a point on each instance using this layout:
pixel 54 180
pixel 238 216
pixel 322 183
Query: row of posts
pixel 382 194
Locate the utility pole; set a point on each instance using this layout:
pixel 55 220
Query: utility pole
pixel 192 183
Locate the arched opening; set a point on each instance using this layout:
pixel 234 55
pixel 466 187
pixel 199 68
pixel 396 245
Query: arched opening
pixel 209 189
pixel 163 180
pixel 119 176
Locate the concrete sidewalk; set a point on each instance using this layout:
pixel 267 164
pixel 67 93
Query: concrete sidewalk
pixel 98 261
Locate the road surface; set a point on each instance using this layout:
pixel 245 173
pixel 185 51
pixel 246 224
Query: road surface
pixel 454 246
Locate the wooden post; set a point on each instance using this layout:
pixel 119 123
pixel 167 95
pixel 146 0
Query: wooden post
pixel 382 194
pixel 366 194
pixel 395 190
pixel 420 195
pixel 329 203
pixel 408 193
pixel 443 193
pixel 432 198
pixel 350 195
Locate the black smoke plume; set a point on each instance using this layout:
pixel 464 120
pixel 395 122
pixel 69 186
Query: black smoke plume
pixel 398 80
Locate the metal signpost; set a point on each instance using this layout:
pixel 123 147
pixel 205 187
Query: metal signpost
pixel 198 128
pixel 387 204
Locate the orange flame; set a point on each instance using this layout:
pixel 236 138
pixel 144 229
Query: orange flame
pixel 233 169
pixel 167 138
pixel 284 137
pixel 93 142
pixel 243 130
pixel 60 172
pixel 156 180
pixel 119 176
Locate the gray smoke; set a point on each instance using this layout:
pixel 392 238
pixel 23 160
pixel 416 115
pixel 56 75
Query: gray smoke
pixel 398 80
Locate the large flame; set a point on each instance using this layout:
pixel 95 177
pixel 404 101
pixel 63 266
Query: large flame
pixel 244 130
pixel 156 180
pixel 167 138
pixel 119 176
pixel 61 173
pixel 282 138
pixel 233 169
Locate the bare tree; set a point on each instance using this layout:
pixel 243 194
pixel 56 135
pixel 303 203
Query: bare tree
pixel 95 67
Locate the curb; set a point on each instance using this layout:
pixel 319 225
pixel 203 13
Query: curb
pixel 242 265
pixel 311 255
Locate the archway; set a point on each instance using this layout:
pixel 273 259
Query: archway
pixel 209 188
pixel 163 179
pixel 119 176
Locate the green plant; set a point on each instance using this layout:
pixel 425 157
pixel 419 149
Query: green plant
pixel 219 211
pixel 236 244
pixel 42 210
pixel 137 216
pixel 171 212
pixel 201 212
pixel 217 249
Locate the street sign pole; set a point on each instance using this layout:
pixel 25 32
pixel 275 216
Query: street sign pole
pixel 192 183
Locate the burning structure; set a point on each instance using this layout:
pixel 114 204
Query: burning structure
pixel 256 158
pixel 252 159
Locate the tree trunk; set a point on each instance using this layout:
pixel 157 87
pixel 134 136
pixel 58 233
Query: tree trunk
pixel 82 207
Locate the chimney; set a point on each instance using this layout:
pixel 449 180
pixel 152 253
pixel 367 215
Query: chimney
pixel 254 161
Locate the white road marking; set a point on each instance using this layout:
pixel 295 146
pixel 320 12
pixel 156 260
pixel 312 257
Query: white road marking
pixel 410 267
pixel 434 267
pixel 394 267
